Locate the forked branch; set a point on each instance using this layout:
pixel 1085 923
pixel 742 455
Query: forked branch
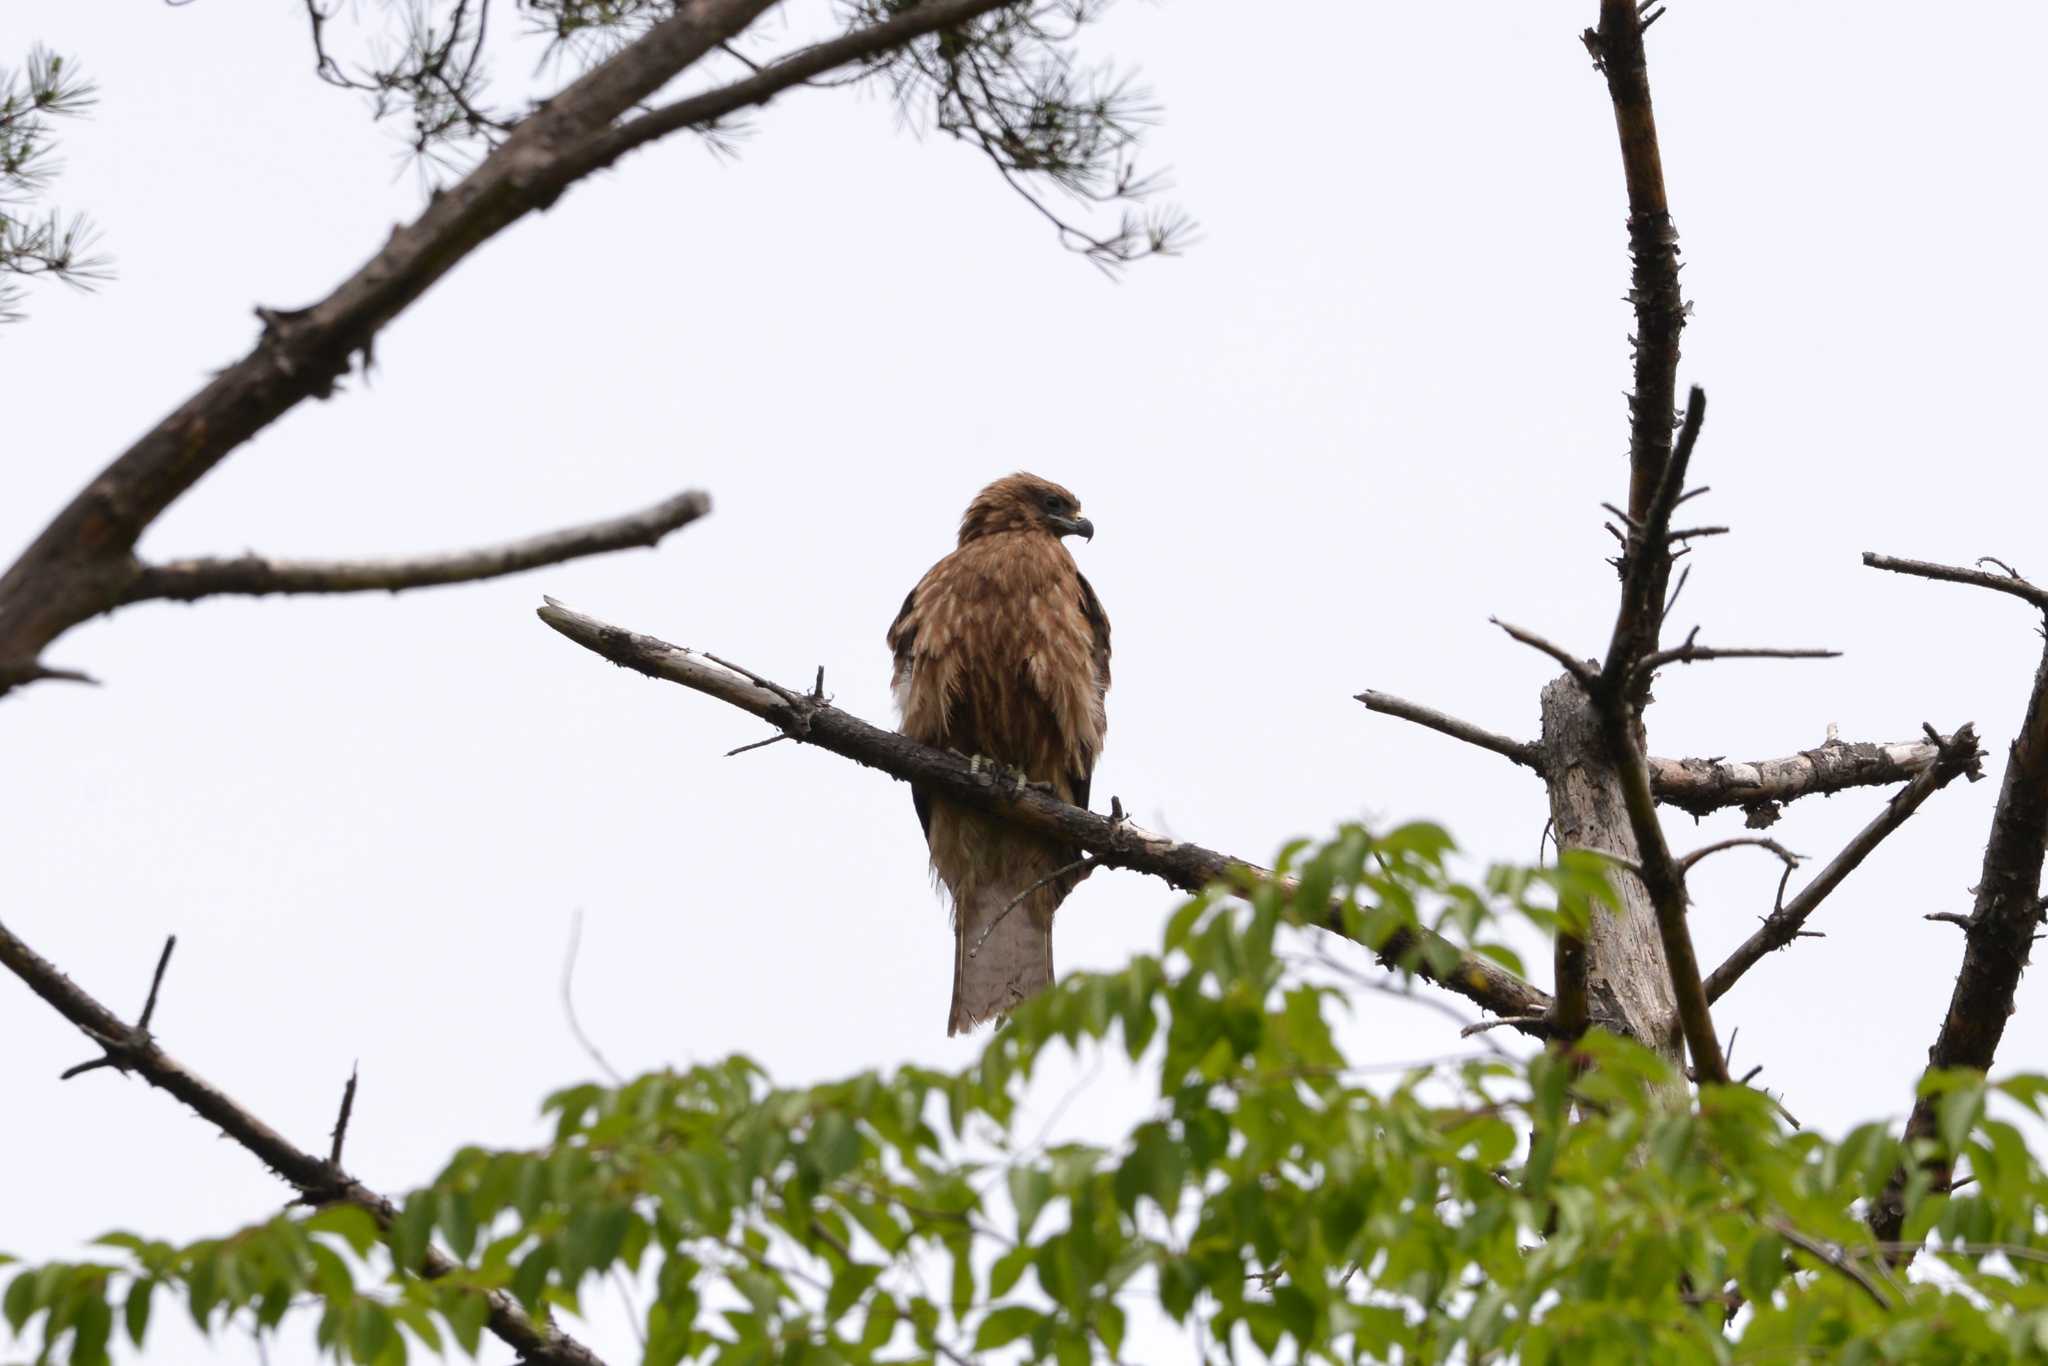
pixel 319 1180
pixel 83 564
pixel 1959 755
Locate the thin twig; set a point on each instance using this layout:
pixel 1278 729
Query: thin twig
pixel 1833 1258
pixel 118 1045
pixel 1538 1025
pixel 583 1040
pixel 1524 752
pixel 156 983
pixel 1578 668
pixel 1084 862
pixel 1791 859
pixel 339 1133
pixel 1695 654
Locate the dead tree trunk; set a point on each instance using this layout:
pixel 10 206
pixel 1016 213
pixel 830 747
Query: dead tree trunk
pixel 1627 984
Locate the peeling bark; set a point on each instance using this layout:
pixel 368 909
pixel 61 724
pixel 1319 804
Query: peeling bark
pixel 1628 984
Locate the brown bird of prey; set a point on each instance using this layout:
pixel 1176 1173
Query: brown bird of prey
pixel 1002 654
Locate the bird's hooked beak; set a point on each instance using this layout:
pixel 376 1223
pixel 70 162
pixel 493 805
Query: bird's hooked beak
pixel 1074 526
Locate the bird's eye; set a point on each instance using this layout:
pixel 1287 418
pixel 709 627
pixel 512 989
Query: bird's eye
pixel 1053 502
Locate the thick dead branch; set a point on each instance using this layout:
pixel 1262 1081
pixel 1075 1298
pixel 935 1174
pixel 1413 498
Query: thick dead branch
pixel 1114 843
pixel 1761 786
pixel 83 563
pixel 317 1179
pixel 1699 786
pixel 187 580
pixel 2004 922
pixel 1524 752
pixel 1957 755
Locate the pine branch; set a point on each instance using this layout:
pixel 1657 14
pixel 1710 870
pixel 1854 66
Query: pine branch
pixel 187 580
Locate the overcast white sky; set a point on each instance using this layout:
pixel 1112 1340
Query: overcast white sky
pixel 1378 403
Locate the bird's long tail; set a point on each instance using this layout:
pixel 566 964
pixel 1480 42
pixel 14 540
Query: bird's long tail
pixel 1002 953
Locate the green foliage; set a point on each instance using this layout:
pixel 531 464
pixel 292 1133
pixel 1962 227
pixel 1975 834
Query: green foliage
pixel 1061 133
pixel 45 88
pixel 1274 1201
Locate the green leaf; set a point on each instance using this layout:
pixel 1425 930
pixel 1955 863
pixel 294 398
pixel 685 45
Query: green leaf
pixel 848 1286
pixel 457 1218
pixel 1005 1325
pixel 1030 1189
pixel 1764 1267
pixel 351 1223
pixel 1009 1269
pixel 466 1312
pixel 135 1313
pixel 20 1301
pixel 1959 1111
pixel 881 1322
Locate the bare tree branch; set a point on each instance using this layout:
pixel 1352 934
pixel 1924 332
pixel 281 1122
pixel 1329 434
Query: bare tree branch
pixel 1762 785
pixel 317 1179
pixel 1959 755
pixel 1524 752
pixel 1998 942
pixel 771 80
pixel 340 1131
pixel 1790 859
pixel 1114 843
pixel 2007 582
pixel 1689 653
pixel 1703 785
pixel 83 563
pixel 1835 1259
pixel 186 580
pixel 1579 669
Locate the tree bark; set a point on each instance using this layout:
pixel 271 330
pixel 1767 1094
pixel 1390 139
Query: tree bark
pixel 1627 981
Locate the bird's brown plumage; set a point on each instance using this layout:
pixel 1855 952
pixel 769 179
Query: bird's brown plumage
pixel 1002 651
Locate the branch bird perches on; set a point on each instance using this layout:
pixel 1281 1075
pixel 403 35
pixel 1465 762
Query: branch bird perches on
pixel 1114 843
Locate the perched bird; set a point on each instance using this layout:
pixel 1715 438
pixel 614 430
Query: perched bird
pixel 1002 654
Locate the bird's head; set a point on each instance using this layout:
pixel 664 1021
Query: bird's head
pixel 1024 502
